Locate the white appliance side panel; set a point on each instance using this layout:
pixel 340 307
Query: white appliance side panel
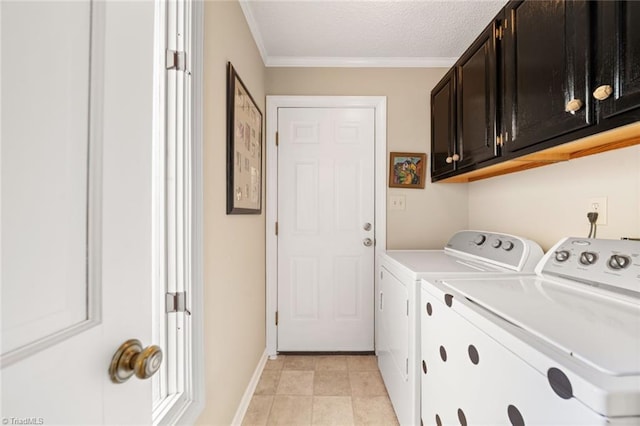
pixel 469 378
pixel 396 344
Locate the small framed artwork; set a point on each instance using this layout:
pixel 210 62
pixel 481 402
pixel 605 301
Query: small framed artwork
pixel 244 148
pixel 407 170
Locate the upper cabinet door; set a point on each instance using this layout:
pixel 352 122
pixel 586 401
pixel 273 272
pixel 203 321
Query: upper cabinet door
pixel 546 70
pixel 476 101
pixel 443 112
pixel 619 65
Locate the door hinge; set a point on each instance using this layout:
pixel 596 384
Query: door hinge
pixel 276 228
pixel 276 317
pixel 407 307
pixel 177 302
pixel 499 141
pixel 176 60
pixel 406 366
pixel 499 33
pixel 277 138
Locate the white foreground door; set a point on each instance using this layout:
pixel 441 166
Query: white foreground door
pixel 77 207
pixel 326 235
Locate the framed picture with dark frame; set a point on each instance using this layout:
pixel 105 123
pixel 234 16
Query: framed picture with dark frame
pixel 407 170
pixel 244 148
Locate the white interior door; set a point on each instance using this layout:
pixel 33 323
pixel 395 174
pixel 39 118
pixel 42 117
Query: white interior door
pixel 326 229
pixel 77 106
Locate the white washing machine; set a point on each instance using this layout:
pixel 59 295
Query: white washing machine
pixel 558 348
pixel 468 253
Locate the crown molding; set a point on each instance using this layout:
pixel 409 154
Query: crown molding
pixel 357 62
pixel 255 31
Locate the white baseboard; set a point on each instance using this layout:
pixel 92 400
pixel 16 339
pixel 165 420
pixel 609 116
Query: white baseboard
pixel 251 388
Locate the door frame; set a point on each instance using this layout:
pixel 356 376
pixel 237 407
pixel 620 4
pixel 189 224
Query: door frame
pixel 187 211
pixel 379 104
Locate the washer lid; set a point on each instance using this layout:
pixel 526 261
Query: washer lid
pixel 601 330
pixel 421 263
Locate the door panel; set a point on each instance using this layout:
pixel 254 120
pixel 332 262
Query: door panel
pixel 443 124
pixel 620 52
pixel 476 106
pixel 325 197
pixel 346 288
pixel 77 149
pixel 45 169
pixel 546 64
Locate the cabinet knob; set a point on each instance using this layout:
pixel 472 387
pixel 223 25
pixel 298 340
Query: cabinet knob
pixel 449 160
pixel 455 157
pixel 603 92
pixel 573 105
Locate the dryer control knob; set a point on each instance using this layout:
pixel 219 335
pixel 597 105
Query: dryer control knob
pixel 496 243
pixel 618 261
pixel 562 255
pixel 507 246
pixel 480 239
pixel 588 258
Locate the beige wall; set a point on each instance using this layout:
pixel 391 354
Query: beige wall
pixel 234 246
pixel 551 202
pixel 432 214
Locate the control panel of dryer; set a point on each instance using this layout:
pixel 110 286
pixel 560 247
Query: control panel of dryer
pixel 503 249
pixel 613 263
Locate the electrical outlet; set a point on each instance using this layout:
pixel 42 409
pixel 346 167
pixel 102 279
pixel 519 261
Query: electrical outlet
pixel 397 202
pixel 599 205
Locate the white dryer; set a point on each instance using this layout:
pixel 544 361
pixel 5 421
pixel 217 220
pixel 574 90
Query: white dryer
pixel 561 347
pixel 468 253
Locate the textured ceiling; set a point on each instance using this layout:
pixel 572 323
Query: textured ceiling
pixel 366 33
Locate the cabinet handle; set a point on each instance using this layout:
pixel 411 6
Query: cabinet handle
pixel 455 157
pixel 603 92
pixel 573 105
pixel 449 160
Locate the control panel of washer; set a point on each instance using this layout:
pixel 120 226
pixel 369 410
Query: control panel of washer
pixel 498 248
pixel 614 263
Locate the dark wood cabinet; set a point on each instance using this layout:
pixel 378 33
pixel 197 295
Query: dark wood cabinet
pixel 477 94
pixel 443 122
pixel 541 84
pixel 547 56
pixel 463 110
pixel 619 58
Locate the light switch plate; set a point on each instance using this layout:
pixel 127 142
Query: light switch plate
pixel 397 202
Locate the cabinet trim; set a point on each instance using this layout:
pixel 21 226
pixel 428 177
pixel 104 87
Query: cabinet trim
pixel 617 138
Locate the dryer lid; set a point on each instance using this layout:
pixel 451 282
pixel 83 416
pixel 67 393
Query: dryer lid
pixel 602 331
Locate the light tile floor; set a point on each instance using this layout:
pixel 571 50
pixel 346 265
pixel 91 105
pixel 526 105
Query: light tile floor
pixel 321 390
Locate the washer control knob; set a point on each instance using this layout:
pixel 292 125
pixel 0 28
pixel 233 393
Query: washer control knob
pixel 496 243
pixel 588 258
pixel 619 261
pixel 507 246
pixel 480 239
pixel 562 255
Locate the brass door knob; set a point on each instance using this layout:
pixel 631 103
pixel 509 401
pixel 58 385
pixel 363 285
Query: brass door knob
pixel 603 92
pixel 455 157
pixel 131 358
pixel 573 105
pixel 449 160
